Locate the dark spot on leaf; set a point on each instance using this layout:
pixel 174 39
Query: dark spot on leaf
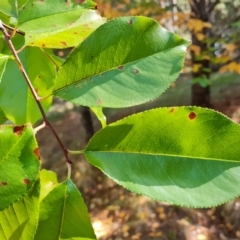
pixel 41 0
pixel 64 43
pixel 96 7
pixel 136 71
pixel 75 33
pixel 131 21
pixel 192 115
pixel 39 76
pixel 99 102
pixel 30 36
pixel 102 74
pixel 37 153
pixel 32 5
pixel 85 25
pixel 26 181
pixel 54 25
pixel 121 67
pixel 36 90
pixel 18 130
pixel 43 45
pixel 172 110
pixel 32 43
pixel 23 8
pixel 91 56
pixel 4 183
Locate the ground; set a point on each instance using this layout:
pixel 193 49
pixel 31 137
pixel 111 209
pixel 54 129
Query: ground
pixel 118 214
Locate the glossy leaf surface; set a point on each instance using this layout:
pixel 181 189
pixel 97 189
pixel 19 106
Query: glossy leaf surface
pixel 19 221
pixel 63 215
pixel 57 24
pixel 16 99
pixel 19 163
pixel 134 61
pixel 186 156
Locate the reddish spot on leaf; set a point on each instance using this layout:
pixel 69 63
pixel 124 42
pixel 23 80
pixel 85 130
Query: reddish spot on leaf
pixel 172 110
pixel 75 33
pixel 67 2
pixel 99 102
pixel 121 67
pixel 18 130
pixel 131 21
pixel 136 71
pixel 64 43
pixel 41 0
pixel 54 25
pixel 4 183
pixel 192 115
pixel 26 181
pixel 43 45
pixel 96 7
pixel 37 153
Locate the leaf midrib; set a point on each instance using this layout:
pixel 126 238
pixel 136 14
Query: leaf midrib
pixel 157 154
pixel 115 67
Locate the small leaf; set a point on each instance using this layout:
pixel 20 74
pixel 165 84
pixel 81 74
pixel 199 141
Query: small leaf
pixel 48 182
pixel 185 155
pixel 16 99
pixel 100 115
pixel 19 166
pixel 19 221
pixel 134 61
pixel 63 215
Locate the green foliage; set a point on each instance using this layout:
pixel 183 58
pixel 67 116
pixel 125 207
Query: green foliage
pixel 179 155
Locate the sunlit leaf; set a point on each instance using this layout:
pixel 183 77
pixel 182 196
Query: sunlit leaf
pixel 185 155
pixel 63 215
pixel 100 115
pixel 19 221
pixel 125 62
pixel 57 24
pixel 19 163
pixel 16 100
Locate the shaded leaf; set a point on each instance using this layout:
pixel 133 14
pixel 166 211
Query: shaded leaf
pixel 3 62
pixel 134 61
pixel 16 99
pixel 19 221
pixel 3 118
pixel 57 24
pixel 63 215
pixel 19 165
pixel 185 155
pixel 8 7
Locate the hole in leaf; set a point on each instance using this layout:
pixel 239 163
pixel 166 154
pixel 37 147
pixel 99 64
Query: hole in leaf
pixel 121 67
pixel 192 115
pixel 18 130
pixel 4 183
pixel 26 181
pixel 37 153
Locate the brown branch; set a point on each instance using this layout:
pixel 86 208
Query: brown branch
pixel 34 93
pixel 212 6
pixel 13 29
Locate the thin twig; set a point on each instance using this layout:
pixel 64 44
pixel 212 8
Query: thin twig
pixel 13 29
pixel 34 93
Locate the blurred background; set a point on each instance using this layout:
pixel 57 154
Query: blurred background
pixel 210 78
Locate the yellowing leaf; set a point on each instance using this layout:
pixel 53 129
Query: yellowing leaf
pixel 200 36
pixel 231 47
pixel 196 67
pixel 196 25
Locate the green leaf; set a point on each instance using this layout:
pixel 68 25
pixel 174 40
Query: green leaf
pixel 48 182
pixel 3 63
pixel 8 7
pixel 57 24
pixel 3 118
pixel 19 221
pixel 63 215
pixel 185 155
pixel 100 115
pixel 134 61
pixel 19 163
pixel 16 99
